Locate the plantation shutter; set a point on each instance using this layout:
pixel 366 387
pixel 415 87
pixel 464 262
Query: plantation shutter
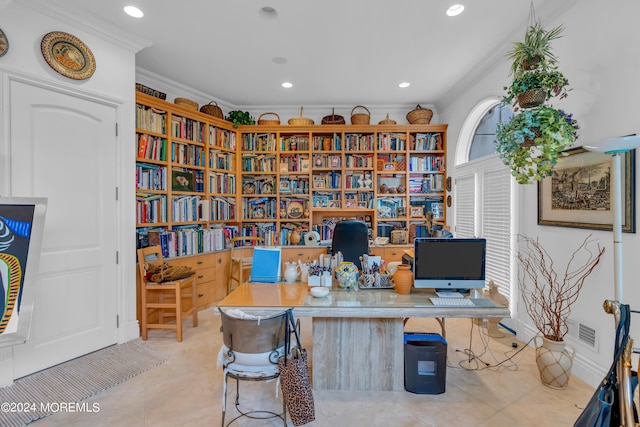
pixel 496 226
pixel 465 206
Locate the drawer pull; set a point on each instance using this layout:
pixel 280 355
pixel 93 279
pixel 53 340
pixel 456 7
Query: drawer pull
pixel 219 260
pixel 200 277
pixel 200 295
pixel 200 262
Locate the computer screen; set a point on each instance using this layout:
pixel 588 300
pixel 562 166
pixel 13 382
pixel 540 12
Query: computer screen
pixel 449 263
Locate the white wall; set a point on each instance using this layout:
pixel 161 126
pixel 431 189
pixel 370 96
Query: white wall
pixel 113 79
pixel 599 55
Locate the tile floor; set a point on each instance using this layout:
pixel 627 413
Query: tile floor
pixel 187 389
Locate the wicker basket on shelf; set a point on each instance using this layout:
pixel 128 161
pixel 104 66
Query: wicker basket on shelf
pixel 268 122
pixel 300 121
pixel 419 116
pixel 360 118
pixel 212 109
pixel 192 105
pixel 333 119
pixel 387 121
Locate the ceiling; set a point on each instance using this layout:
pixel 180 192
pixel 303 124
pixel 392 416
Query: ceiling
pixel 338 52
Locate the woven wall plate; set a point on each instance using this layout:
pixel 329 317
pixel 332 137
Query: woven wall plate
pixel 4 43
pixel 68 55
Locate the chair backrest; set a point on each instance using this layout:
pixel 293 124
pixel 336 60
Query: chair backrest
pixel 244 239
pixel 149 254
pixel 258 332
pixel 351 238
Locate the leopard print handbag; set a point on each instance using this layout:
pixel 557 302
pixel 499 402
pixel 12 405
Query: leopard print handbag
pixel 295 380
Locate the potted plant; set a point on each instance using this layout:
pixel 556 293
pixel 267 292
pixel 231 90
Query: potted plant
pixel 535 51
pixel 532 88
pixel 548 297
pixel 531 143
pixel 239 117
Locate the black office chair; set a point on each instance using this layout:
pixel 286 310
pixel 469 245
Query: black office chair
pixel 351 238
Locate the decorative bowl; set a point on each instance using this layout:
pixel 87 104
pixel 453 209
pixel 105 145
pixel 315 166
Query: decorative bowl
pixel 319 291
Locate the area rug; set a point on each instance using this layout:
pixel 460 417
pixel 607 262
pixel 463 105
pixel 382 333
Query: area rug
pixel 74 381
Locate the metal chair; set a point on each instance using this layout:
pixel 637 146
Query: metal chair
pixel 240 265
pixel 169 296
pixel 252 343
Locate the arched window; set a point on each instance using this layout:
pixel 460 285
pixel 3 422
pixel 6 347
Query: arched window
pixel 484 202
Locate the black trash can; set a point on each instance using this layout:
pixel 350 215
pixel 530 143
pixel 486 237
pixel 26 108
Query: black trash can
pixel 425 363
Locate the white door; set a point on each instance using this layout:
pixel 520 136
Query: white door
pixel 63 147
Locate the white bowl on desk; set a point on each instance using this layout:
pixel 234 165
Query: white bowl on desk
pixel 319 291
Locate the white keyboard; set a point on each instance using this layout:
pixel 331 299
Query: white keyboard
pixel 451 302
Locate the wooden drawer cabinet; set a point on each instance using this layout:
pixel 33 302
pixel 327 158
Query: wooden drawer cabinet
pixel 221 267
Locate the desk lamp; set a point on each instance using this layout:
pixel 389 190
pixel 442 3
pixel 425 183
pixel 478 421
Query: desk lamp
pixel 615 147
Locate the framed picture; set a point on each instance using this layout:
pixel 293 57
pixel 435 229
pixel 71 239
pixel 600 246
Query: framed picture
pixel 304 165
pixel 402 211
pixel 578 194
pixel 319 182
pixel 389 166
pixel 320 201
pixel 182 181
pixel 334 203
pixel 335 161
pixel 285 186
pixel 350 203
pixel 416 211
pixel 362 204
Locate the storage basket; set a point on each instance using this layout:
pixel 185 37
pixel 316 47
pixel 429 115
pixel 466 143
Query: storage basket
pixel 387 121
pixel 300 120
pixel 399 237
pixel 419 116
pixel 192 105
pixel 360 118
pixel 149 91
pixel 212 109
pixel 268 122
pixel 333 119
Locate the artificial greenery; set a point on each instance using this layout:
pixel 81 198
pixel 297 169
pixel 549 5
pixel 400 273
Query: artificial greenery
pixel 553 83
pixel 535 51
pixel 239 117
pixel 531 143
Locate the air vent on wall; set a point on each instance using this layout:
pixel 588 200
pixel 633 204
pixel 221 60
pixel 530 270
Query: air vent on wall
pixel 583 333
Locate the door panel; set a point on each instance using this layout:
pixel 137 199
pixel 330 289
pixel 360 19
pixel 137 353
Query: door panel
pixel 63 147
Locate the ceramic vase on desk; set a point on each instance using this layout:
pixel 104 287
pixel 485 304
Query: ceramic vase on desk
pixel 403 278
pixel 291 272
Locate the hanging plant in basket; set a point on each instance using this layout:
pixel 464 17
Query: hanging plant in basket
pixel 531 143
pixel 535 51
pixel 530 89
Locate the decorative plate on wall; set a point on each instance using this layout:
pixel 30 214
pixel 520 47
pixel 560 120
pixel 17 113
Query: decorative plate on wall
pixel 68 55
pixel 4 43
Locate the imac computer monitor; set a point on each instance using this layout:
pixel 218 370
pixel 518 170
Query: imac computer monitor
pixel 449 263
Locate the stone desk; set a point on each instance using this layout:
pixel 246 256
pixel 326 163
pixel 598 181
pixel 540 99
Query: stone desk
pixel 358 336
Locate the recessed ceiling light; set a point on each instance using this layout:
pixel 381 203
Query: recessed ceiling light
pixel 268 12
pixel 133 11
pixel 455 10
pixel 268 9
pixel 404 84
pixel 279 60
pixel 287 85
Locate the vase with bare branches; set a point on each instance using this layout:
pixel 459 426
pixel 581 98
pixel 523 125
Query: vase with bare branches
pixel 548 298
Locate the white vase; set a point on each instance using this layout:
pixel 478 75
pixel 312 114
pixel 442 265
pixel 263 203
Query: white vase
pixel 554 360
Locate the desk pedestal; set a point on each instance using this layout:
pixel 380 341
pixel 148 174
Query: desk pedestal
pixel 358 354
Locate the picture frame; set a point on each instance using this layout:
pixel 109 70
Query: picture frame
pixel 285 186
pixel 182 181
pixel 389 166
pixel 416 211
pixel 350 203
pixel 578 194
pixel 334 204
pixel 320 201
pixel 335 161
pixel 319 182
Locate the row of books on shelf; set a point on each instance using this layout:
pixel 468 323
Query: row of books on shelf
pixel 151 177
pixel 358 161
pixel 222 138
pixel 259 142
pixel 183 241
pixel 434 205
pixel 327 143
pixel 259 208
pixel 427 184
pixel 185 128
pixel 426 164
pixel 265 230
pixel 188 209
pixel 392 141
pixel 391 207
pixel 151 119
pixel 151 208
pixel 327 161
pixel 426 141
pixel 293 185
pixel 332 179
pixel 222 160
pixel 358 142
pixel 294 163
pixel 294 142
pixel 360 180
pixel 223 209
pixel 152 147
pixel 187 154
pixel 222 183
pixel 258 163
